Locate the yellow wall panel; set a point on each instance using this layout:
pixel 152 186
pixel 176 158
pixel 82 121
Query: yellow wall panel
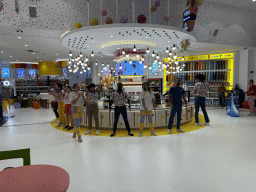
pixel 49 68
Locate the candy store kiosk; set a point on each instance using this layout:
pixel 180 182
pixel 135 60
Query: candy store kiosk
pixel 217 68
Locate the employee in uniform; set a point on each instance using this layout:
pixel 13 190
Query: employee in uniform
pixel 120 98
pixel 176 94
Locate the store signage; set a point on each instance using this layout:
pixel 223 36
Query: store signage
pixel 205 57
pixel 189 17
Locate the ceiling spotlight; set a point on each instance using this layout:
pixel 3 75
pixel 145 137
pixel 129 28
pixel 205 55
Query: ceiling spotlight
pixel 123 52
pixel 69 67
pixel 69 61
pixel 73 59
pixel 11 56
pixel 130 61
pixel 85 64
pixel 80 61
pixel 26 45
pixel 147 50
pixel 81 72
pixel 175 56
pixel 34 53
pixel 153 54
pixel 70 54
pixel 157 56
pixel 174 47
pixel 99 73
pixel 89 68
pixel 134 48
pixel 76 59
pixel 92 54
pixel 145 66
pixel 111 36
pixel 19 37
pixel 150 67
pixel 167 50
pixel 70 70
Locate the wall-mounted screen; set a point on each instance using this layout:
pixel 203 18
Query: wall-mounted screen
pixel 154 68
pixel 32 73
pixel 21 73
pixel 6 72
pixel 106 70
pixel 126 68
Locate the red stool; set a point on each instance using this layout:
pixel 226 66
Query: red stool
pixel 34 178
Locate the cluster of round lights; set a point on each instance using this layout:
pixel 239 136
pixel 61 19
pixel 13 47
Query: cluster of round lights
pixel 77 61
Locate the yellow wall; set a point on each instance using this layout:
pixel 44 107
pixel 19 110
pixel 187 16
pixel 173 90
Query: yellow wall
pixel 49 68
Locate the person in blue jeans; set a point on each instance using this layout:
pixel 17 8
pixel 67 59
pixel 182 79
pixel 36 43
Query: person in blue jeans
pixel 119 97
pixel 176 94
pixel 201 89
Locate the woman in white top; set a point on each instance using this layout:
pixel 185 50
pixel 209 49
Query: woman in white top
pixel 67 109
pixel 77 100
pixel 147 105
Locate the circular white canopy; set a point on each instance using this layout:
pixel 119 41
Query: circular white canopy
pixel 107 39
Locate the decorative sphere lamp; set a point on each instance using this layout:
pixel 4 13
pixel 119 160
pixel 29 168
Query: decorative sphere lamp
pixel 93 22
pixel 166 17
pixel 124 19
pixel 153 8
pixel 142 19
pixel 104 12
pixel 109 20
pixel 78 25
pixel 157 3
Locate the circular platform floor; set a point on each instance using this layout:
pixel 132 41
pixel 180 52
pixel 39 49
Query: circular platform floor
pixel 123 133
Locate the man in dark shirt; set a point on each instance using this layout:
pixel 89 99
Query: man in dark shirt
pixel 176 94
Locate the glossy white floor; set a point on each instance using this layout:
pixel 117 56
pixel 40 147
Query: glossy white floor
pixel 216 158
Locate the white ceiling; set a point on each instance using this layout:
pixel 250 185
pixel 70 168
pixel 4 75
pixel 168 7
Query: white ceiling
pixel 43 34
pixel 242 4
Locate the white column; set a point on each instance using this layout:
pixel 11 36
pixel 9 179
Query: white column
pixel 88 13
pixel 117 11
pixel 95 71
pixel 149 11
pixel 133 11
pixel 101 10
pixel 168 11
pixel 243 69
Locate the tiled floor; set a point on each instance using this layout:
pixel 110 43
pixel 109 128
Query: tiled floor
pixel 216 158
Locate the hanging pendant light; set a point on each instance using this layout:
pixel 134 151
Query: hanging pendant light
pixel 174 47
pixel 84 70
pixel 157 56
pixel 153 54
pixel 85 64
pixel 123 52
pixel 89 68
pixel 86 59
pixel 76 59
pixel 120 67
pixel 70 54
pixel 81 55
pixel 150 67
pixel 145 65
pixel 140 61
pixel 169 58
pixel 134 48
pixel 176 62
pixel 69 61
pixel 160 62
pixel 183 58
pixel 92 54
pixel 155 60
pixel 96 63
pixel 102 64
pixel 148 50
pixel 81 72
pixel 130 61
pixel 142 58
pixel 137 55
pixel 175 56
pixel 73 59
pixel 167 50
pixel 170 53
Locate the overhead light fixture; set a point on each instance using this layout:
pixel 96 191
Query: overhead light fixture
pixel 134 48
pixel 34 53
pixel 148 50
pixel 89 68
pixel 81 72
pixel 57 54
pixel 170 53
pixel 137 55
pixel 130 61
pixel 142 58
pixel 150 67
pixel 174 47
pixel 153 54
pixel 76 58
pixel 99 74
pixel 176 62
pixel 169 58
pixel 111 36
pixel 155 60
pixel 70 54
pixel 140 61
pixel 19 37
pixel 69 61
pixel 157 56
pixel 120 67
pixel 81 55
pixel 183 58
pixel 102 64
pixel 160 62
pixel 175 56
pixel 127 55
pixel 26 45
pixel 86 59
pixel 80 61
pixel 167 50
pixel 92 54
pixel 85 64
pixel 11 56
pixel 96 63
pixel 145 65
pixel 73 59
pixel 123 52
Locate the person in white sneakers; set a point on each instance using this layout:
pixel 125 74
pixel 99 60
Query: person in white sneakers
pixel 147 105
pixel 67 110
pixel 176 94
pixel 92 107
pixel 201 89
pixel 77 100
